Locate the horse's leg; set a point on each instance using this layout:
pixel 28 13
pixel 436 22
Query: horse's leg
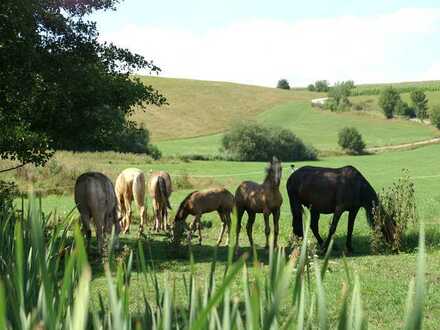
pixel 142 212
pixel 314 225
pixel 199 226
pixel 332 230
pixel 223 219
pixel 100 232
pixel 165 217
pixel 127 202
pixel 249 226
pixel 85 228
pixel 240 212
pixel 351 217
pixel 266 229
pixel 276 227
pixel 228 223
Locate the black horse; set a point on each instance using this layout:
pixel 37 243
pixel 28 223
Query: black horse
pixel 329 190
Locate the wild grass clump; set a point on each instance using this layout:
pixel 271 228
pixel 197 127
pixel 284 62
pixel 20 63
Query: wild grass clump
pixel 394 215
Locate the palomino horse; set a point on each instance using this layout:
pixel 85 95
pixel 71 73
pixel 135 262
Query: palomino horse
pixel 200 202
pixel 159 188
pixel 260 198
pixel 130 184
pixel 330 190
pixel 95 199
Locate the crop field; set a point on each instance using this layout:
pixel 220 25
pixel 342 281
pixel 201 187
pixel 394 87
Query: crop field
pixel 384 278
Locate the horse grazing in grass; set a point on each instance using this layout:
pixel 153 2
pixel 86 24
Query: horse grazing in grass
pixel 159 188
pixel 200 202
pixel 329 190
pixel 130 184
pixel 260 198
pixel 95 199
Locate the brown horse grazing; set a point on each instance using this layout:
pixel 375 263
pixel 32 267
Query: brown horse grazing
pixel 130 184
pixel 200 202
pixel 260 198
pixel 159 188
pixel 329 190
pixel 95 199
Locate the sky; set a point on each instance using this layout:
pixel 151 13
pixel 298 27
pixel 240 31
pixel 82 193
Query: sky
pixel 259 42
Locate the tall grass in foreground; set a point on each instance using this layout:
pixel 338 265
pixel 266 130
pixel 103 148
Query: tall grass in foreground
pixel 45 284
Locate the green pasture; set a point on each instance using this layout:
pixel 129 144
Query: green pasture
pixel 316 127
pixel 384 278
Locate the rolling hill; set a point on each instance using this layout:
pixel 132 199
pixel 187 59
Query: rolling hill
pixel 199 111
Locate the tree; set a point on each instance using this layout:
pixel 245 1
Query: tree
pixel 420 103
pixel 283 84
pixel 340 93
pixel 351 140
pixel 388 100
pixel 403 109
pixel 321 86
pixel 59 87
pixel 311 88
pixel 434 116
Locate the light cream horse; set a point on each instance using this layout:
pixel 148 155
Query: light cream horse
pixel 95 199
pixel 200 202
pixel 130 184
pixel 263 198
pixel 159 188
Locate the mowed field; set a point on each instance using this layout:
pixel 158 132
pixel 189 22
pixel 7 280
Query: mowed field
pixel 200 111
pixel 384 278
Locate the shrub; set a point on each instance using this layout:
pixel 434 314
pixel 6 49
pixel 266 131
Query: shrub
pixel 403 109
pixel 388 100
pixel 420 103
pixel 351 140
pixel 434 116
pixel 321 86
pixel 311 88
pixel 136 140
pixel 283 84
pixel 395 212
pixel 340 93
pixel 253 142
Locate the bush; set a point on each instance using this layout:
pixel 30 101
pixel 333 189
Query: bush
pixel 340 93
pixel 351 140
pixel 283 84
pixel 395 212
pixel 420 103
pixel 388 100
pixel 253 142
pixel 8 191
pixel 321 86
pixel 136 140
pixel 434 116
pixel 311 88
pixel 403 109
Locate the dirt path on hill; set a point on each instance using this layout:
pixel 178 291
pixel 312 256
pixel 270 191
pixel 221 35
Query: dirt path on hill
pixel 404 145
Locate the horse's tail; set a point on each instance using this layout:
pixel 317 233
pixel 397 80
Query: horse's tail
pixel 297 211
pixel 161 189
pixel 139 189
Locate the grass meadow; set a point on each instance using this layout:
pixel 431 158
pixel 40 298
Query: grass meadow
pixel 384 278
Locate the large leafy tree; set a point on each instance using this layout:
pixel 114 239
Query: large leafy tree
pixel 59 87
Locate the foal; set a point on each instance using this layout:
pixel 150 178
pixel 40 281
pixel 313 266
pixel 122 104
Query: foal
pixel 205 201
pixel 260 198
pixel 159 188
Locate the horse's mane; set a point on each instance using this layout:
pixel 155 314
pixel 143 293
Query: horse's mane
pixel 182 204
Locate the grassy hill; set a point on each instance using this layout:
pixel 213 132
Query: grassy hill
pixel 199 111
pixel 198 108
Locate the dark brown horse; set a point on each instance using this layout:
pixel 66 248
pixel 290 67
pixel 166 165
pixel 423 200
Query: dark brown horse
pixel 329 190
pixel 263 198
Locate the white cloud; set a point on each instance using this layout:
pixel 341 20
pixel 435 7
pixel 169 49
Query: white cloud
pixel 262 51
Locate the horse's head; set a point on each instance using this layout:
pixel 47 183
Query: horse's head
pixel 274 171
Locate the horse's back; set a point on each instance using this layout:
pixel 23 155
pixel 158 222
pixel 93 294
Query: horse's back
pixel 94 194
pixel 213 199
pixel 326 188
pixel 153 182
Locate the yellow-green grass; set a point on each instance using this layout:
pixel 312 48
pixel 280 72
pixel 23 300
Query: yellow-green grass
pixel 384 278
pixel 372 100
pixel 316 127
pixel 199 107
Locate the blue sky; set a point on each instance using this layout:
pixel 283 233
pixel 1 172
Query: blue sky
pixel 258 42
